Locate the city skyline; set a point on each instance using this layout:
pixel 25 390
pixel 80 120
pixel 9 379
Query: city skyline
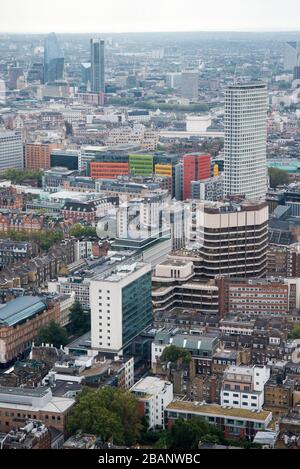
pixel 137 17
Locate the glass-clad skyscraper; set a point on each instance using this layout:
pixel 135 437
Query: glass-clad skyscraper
pixel 97 66
pixel 53 59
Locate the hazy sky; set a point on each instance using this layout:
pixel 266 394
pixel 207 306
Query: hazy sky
pixel 147 15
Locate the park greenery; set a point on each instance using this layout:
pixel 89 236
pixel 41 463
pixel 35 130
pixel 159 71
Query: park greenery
pixel 19 176
pixel 109 413
pixel 278 177
pixel 79 231
pixel 44 239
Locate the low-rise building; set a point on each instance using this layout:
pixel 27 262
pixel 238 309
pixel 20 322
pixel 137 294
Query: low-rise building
pixel 17 405
pixel 243 387
pixel 154 395
pixel 234 423
pixel 20 321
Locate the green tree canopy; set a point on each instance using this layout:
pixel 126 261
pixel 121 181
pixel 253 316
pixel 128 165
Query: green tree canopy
pixel 187 434
pixel 108 412
pixel 52 333
pixel 18 176
pixel 79 320
pixel 295 334
pixel 44 239
pixel 278 177
pixel 79 231
pixel 173 354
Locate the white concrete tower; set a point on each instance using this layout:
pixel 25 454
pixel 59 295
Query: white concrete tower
pixel 246 140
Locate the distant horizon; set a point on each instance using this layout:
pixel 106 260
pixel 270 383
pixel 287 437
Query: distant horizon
pixel 265 30
pixel 138 16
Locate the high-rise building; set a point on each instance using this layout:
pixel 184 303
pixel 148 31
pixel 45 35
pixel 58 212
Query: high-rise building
pixel 121 306
pixel 2 92
pixel 11 151
pixel 245 140
pixel 97 66
pixel 53 59
pixel 14 73
pixel 291 55
pixel 190 85
pixel 228 238
pixel 196 167
pixel 297 72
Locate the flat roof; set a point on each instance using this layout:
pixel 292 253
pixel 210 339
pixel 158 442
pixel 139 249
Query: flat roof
pixel 20 308
pixel 30 392
pixel 207 409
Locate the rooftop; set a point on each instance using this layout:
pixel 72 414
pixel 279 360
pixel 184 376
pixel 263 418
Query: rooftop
pixel 20 309
pixel 207 409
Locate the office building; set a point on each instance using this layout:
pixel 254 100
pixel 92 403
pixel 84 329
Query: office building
pixel 141 165
pixel 97 66
pixel 85 73
pixel 291 55
pixel 243 387
pixel 245 140
pixel 69 159
pixel 174 287
pixel 37 155
pixel 190 85
pixel 228 238
pixel 14 73
pixel 53 59
pixel 36 73
pixel 196 167
pixel 17 405
pixel 11 151
pixel 119 312
pixel 211 189
pixel 2 92
pixel 267 297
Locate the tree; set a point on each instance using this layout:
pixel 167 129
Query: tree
pixel 79 231
pixel 278 177
pixel 52 333
pixel 79 320
pixel 109 413
pixel 295 334
pixel 187 434
pixel 17 176
pixel 173 354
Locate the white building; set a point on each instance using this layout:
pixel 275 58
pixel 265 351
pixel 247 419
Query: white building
pixel 2 92
pixel 121 306
pixel 155 394
pixel 11 151
pixel 198 123
pixel 245 140
pixel 243 387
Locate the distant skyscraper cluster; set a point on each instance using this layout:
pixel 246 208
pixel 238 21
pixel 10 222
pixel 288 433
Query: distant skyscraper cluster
pixel 245 140
pixel 53 60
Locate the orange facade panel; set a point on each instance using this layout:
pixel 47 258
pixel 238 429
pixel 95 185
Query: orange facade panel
pixel 99 170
